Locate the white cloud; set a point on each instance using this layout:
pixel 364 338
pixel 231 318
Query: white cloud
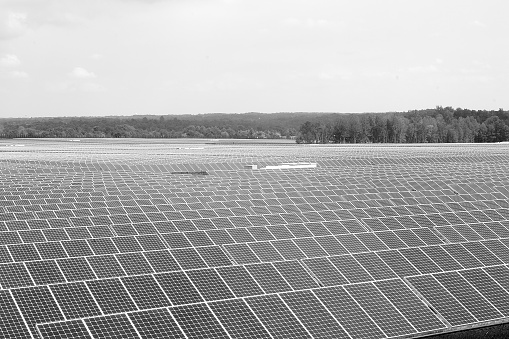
pixel 422 69
pixel 64 19
pixel 478 23
pixel 292 22
pixel 82 73
pixel 92 87
pixel 227 82
pixel 377 74
pixel 19 74
pixel 318 23
pixel 12 25
pixel 331 74
pixel 10 60
pixel 74 86
pixel 60 87
pixel 16 20
pixel 96 56
pixel 310 22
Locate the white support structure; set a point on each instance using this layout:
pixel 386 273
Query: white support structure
pixel 291 165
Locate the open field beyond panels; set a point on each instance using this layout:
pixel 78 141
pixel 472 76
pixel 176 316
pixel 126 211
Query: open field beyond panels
pixel 205 239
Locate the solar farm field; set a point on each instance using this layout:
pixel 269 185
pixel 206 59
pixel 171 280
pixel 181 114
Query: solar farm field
pixel 198 239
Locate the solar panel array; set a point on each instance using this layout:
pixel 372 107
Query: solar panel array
pixel 144 239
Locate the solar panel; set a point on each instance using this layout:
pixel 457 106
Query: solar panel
pixel 277 317
pixel 111 326
pixel 64 329
pixel 313 315
pixel 442 300
pixel 409 305
pixel 238 319
pixel 124 239
pixel 157 323
pixel 380 309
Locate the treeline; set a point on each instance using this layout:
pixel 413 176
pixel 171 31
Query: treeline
pixel 439 125
pixel 254 125
pixel 431 125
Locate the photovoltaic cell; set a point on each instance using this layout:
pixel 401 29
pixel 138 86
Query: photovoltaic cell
pixel 441 300
pixel 209 284
pixel 383 313
pixel 288 249
pixel 51 250
pixel 410 306
pixel 76 269
pixel 500 274
pixel 468 296
pixel 12 325
pixel 214 256
pixel 74 329
pixel 157 324
pixel 313 315
pixel 420 260
pixel 188 258
pixel 197 321
pixel 485 285
pixel 178 288
pixel 24 252
pixel 351 243
pixel 310 247
pixel 161 261
pixel 348 313
pixel 75 300
pixel 111 296
pixel 268 278
pixel 462 256
pixel 295 274
pixel 37 306
pixel 441 258
pixel 134 263
pixel 45 272
pixel 116 326
pixel 398 263
pixel 265 251
pixel 241 253
pixel 326 273
pixel 375 266
pixel 240 282
pixel 371 241
pixel 238 320
pixel 145 291
pixel 350 268
pixel 482 253
pixel 14 275
pixel 277 317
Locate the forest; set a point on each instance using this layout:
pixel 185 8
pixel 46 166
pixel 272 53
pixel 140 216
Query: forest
pixel 437 125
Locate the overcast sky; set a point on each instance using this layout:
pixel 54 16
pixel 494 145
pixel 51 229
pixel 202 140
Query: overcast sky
pixel 124 57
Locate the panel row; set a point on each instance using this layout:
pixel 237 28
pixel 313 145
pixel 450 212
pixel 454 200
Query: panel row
pixel 329 270
pixel 432 256
pixel 224 217
pixel 380 310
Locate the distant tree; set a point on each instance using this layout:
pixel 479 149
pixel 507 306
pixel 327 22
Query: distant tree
pixel 439 124
pixel 354 128
pixel 495 130
pixel 339 130
pixel 308 133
